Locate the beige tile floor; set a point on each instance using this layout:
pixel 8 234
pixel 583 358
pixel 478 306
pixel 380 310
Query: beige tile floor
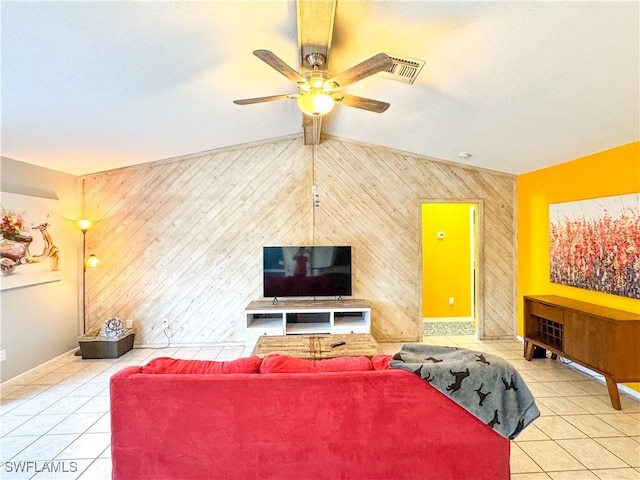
pixel 55 418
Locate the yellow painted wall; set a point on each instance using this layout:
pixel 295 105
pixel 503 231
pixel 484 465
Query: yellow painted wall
pixel 446 262
pixel 612 172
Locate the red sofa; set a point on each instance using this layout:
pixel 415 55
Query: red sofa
pixel 338 420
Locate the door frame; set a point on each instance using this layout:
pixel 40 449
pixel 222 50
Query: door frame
pixel 478 299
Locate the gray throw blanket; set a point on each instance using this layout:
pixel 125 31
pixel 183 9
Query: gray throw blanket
pixel 486 385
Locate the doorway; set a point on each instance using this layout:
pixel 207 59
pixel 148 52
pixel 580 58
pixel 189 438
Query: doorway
pixel 450 267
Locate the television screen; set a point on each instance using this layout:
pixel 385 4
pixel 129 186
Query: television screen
pixel 303 271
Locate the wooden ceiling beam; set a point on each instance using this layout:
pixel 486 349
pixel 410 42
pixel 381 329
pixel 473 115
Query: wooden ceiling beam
pixel 315 31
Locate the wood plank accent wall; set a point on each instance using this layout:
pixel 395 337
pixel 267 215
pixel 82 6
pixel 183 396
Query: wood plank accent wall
pixel 182 239
pixel 377 193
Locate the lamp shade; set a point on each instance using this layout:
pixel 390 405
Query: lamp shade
pixel 84 224
pixel 316 103
pixel 92 261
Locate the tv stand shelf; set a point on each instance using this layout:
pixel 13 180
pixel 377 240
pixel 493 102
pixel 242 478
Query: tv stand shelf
pixel 306 317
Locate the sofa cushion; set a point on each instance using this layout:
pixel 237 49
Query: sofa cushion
pixel 174 365
pixel 279 363
pixel 381 361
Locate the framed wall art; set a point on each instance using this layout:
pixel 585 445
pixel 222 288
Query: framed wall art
pixel 30 241
pixel 595 244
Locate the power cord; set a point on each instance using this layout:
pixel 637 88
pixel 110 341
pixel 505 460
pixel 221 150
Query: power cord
pixel 167 333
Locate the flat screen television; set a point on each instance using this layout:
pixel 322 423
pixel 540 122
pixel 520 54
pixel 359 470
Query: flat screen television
pixel 307 271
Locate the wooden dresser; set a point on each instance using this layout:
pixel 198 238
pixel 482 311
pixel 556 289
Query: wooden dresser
pixel 602 339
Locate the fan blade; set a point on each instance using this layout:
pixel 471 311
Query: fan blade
pixel 276 63
pixel 375 64
pixel 364 103
pixel 272 98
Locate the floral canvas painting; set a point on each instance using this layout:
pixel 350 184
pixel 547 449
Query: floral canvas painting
pixel 595 244
pixel 30 236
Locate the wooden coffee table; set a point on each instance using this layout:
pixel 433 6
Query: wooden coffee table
pixel 318 347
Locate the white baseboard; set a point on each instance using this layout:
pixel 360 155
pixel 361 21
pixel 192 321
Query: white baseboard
pixel 12 379
pixel 621 387
pixel 155 346
pixel 189 345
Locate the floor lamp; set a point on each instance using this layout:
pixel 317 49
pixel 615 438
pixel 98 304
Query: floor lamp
pixel 90 261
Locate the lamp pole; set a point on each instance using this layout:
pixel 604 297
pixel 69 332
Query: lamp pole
pixel 84 226
pixel 84 280
pixel 90 261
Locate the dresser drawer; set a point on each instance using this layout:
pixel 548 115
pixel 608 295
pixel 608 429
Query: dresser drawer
pixel 549 312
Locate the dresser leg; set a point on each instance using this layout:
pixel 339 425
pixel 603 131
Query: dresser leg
pixel 614 395
pixel 528 353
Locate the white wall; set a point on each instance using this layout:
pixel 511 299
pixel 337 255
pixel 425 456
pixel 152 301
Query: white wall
pixel 40 322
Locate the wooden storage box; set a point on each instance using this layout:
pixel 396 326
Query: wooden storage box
pixel 93 345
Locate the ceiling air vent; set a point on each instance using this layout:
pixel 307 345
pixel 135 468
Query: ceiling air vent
pixel 404 69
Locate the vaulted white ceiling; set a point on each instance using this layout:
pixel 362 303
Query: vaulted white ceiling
pixel 92 86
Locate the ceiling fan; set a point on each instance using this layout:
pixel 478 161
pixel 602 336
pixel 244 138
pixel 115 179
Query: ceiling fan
pixel 318 91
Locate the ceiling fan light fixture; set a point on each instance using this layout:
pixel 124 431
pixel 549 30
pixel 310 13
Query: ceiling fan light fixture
pixel 316 103
pixel 318 80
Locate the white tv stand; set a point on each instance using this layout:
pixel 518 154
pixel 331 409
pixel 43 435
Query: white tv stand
pixel 308 317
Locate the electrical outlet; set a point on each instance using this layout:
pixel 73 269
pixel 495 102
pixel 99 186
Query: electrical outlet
pixel 451 300
pixel 3 355
pixel 129 323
